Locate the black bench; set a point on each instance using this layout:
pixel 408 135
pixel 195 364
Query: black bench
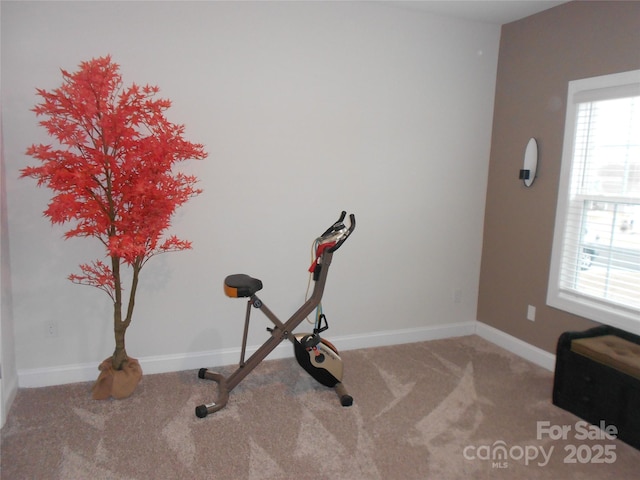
pixel 597 378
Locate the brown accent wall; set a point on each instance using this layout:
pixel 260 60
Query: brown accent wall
pixel 538 56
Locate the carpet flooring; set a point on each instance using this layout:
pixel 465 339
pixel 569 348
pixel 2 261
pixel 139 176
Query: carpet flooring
pixel 458 408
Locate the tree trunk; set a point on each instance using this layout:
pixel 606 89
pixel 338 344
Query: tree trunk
pixel 119 329
pixel 120 353
pixel 120 374
pixel 120 326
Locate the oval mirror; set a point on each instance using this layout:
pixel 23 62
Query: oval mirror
pixel 528 172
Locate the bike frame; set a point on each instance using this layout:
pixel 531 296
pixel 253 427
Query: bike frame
pixel 280 332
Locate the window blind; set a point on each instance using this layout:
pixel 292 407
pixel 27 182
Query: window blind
pixel 600 257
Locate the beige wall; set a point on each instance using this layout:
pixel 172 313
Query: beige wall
pixel 538 56
pixel 306 108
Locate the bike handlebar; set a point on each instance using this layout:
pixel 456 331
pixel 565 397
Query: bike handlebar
pixel 336 225
pixel 339 232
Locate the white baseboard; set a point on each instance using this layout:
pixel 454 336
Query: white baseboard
pixel 515 345
pixel 408 335
pixel 60 375
pixel 44 377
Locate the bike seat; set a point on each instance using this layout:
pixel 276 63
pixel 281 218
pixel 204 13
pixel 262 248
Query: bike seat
pixel 241 285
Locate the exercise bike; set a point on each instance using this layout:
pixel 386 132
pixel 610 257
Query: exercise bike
pixel 316 355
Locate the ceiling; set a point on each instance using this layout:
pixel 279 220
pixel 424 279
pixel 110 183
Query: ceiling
pixel 486 11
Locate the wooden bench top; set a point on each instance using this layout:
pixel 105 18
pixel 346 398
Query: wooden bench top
pixel 612 351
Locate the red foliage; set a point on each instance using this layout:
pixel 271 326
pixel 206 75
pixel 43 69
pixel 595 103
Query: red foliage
pixel 112 173
pixel 97 274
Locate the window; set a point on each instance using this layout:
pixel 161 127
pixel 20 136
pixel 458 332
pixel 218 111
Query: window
pixel 595 264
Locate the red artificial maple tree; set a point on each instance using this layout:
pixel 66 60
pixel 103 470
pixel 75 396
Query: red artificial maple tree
pixel 112 176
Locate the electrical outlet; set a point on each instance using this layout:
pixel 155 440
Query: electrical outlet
pixel 50 329
pixel 531 313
